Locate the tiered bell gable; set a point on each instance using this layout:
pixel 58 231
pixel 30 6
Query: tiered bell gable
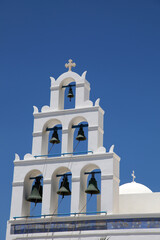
pixel 44 176
pixel 82 90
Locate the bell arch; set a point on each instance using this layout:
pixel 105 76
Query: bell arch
pixel 62 91
pixel 84 197
pixel 55 184
pixel 71 132
pixel 27 190
pixel 45 134
pixel 57 92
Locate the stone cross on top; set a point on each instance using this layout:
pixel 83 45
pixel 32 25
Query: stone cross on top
pixel 133 176
pixel 69 65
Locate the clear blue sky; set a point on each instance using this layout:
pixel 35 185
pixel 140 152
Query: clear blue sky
pixel 117 42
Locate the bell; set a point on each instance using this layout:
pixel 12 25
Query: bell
pixel 70 93
pixel 81 136
pixel 64 188
pixel 92 186
pixel 55 139
pixel 36 193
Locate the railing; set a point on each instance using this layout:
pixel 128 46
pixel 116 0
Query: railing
pixel 61 214
pixel 63 154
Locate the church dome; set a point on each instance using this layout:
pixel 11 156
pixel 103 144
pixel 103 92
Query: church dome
pixel 133 188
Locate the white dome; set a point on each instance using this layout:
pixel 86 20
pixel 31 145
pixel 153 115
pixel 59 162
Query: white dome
pixel 133 188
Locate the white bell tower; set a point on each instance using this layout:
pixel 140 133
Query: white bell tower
pixel 40 163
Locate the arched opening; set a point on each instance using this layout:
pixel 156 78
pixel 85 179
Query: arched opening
pixel 80 139
pixel 32 194
pixel 55 140
pixel 90 189
pixel 64 192
pixel 52 138
pixel 61 191
pixel 78 136
pixel 70 96
pixel 92 199
pixel 67 92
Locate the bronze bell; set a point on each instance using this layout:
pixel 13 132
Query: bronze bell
pixel 64 188
pixel 55 138
pixel 80 135
pixel 70 93
pixel 92 186
pixel 36 193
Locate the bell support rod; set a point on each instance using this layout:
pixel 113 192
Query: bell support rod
pixel 70 85
pixel 65 174
pixel 38 177
pixel 54 128
pixel 73 126
pixel 81 125
pixel 58 214
pixel 92 172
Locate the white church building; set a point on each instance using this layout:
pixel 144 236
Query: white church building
pixel 127 212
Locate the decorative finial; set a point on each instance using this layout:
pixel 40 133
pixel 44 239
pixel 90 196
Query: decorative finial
pixel 133 176
pixel 70 64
